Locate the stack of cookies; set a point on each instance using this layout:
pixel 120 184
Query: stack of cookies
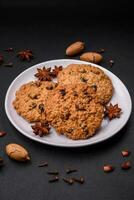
pixel 74 105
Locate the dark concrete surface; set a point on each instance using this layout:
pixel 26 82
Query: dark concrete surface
pixel 48 38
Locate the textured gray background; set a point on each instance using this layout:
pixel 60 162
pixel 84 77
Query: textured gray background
pixel 48 37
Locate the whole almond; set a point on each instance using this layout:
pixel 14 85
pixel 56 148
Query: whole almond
pixel 75 48
pixel 91 57
pixel 17 152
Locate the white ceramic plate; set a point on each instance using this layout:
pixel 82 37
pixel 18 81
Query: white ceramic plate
pixel 107 130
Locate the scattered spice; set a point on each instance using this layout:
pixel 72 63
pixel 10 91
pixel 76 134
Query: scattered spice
pixel 112 111
pixel 126 165
pixel 125 153
pixel 56 71
pixel 1 59
pixel 55 179
pixel 43 74
pixel 70 181
pixel 62 92
pixel 43 164
pixel 80 180
pixel 10 64
pixel 25 55
pixel 10 49
pixel 101 51
pixel 53 172
pixel 108 168
pixel 41 128
pixel 69 171
pixel 111 62
pixel 2 133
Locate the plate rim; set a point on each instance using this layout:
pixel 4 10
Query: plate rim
pixel 69 145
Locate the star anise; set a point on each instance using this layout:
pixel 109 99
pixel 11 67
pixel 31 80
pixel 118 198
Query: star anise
pixel 43 74
pixel 111 63
pixel 113 111
pixel 41 128
pixel 25 55
pixel 55 71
